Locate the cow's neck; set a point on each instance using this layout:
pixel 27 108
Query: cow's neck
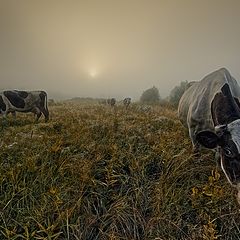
pixel 224 110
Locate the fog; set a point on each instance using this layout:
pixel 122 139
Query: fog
pixel 115 48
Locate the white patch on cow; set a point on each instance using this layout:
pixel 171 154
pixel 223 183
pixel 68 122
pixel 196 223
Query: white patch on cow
pixel 234 129
pixel 226 173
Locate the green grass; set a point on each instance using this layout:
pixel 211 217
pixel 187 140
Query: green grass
pixel 93 172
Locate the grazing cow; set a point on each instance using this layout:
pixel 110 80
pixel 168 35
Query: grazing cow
pixel 210 109
pixel 126 102
pixel 24 101
pixel 111 102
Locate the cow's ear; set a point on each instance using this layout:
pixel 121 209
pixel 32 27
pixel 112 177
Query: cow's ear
pixel 208 139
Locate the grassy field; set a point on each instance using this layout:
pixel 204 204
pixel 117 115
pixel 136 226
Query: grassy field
pixel 93 172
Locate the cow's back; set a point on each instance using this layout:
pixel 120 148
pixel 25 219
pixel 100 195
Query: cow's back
pixel 195 104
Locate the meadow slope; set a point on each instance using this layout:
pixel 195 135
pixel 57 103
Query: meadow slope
pixel 93 172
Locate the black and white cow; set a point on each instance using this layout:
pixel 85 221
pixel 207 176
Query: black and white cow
pixel 111 102
pixel 126 102
pixel 210 109
pixel 24 101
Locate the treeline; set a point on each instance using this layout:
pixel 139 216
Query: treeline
pixel 149 96
pixel 152 96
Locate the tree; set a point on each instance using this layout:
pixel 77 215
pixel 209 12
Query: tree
pixel 177 92
pixel 150 95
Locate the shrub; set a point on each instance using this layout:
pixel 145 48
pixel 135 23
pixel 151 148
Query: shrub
pixel 177 92
pixel 150 95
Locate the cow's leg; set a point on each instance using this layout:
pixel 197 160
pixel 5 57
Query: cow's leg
pixel 196 145
pixel 45 113
pixel 5 122
pixel 38 113
pixel 43 105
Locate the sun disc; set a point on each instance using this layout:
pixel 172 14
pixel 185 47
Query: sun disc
pixel 93 73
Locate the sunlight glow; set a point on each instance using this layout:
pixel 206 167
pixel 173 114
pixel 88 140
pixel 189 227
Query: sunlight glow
pixel 93 73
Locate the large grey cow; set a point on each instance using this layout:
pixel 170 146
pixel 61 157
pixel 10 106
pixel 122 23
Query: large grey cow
pixel 24 101
pixel 210 109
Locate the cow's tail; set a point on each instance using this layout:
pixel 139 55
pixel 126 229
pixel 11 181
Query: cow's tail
pixel 46 114
pixel 45 101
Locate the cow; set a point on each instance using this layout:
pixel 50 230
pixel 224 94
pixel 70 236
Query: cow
pixel 126 102
pixel 24 101
pixel 111 102
pixel 210 109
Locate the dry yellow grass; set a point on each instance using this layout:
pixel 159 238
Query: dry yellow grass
pixel 94 172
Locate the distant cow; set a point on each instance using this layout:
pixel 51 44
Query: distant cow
pixel 210 109
pixel 126 102
pixel 24 101
pixel 111 101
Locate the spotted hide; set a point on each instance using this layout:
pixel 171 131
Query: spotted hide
pixel 24 101
pixel 210 109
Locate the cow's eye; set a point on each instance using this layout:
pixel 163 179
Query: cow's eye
pixel 228 152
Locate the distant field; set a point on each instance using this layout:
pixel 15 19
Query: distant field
pixel 94 172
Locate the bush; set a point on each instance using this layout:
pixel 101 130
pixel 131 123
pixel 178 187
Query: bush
pixel 150 95
pixel 177 92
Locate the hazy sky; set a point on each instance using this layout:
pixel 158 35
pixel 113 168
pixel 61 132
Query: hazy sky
pixel 115 48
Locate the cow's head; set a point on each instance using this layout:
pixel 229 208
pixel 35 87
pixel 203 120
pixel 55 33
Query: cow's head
pixel 226 137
